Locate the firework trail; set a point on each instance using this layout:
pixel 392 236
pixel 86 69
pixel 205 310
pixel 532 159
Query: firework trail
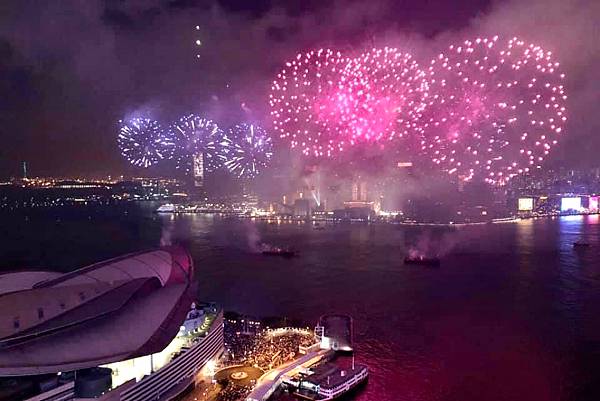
pixel 495 108
pixel 143 142
pixel 250 151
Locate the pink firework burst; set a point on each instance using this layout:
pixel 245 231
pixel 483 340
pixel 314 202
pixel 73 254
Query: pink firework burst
pixel 494 109
pixel 384 88
pixel 301 102
pixel 324 102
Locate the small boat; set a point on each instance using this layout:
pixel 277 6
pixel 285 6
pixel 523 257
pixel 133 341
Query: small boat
pixel 270 250
pixel 284 253
pixel 580 244
pixel 422 261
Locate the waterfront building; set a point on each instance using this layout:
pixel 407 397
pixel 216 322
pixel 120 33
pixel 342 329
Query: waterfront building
pixel 161 376
pixel 111 311
pixel 302 207
pixel 200 350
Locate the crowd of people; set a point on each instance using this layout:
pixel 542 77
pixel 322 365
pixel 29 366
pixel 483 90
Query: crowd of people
pixel 249 343
pixel 263 348
pixel 270 351
pixel 239 341
pixel 232 393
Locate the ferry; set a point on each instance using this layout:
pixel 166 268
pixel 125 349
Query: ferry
pixel 166 208
pixel 190 209
pixel 330 382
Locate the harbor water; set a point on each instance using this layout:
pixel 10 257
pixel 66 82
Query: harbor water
pixel 512 313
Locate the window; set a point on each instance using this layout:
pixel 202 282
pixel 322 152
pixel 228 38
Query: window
pixel 82 296
pixel 16 323
pixel 63 305
pixel 40 313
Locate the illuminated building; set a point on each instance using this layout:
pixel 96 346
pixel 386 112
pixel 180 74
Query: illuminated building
pixel 359 191
pixel 167 374
pixel 525 204
pixel 359 198
pixel 106 312
pixel 570 204
pixel 302 207
pixel 593 204
pixel 198 170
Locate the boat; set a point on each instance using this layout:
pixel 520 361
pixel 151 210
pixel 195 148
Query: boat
pixel 580 244
pixel 285 253
pixel 422 261
pixel 190 209
pixel 330 382
pixel 269 250
pixel 166 208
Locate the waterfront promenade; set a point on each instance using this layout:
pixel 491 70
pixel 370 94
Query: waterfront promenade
pixel 269 382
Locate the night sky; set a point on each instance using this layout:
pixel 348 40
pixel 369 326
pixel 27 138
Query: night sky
pixel 70 69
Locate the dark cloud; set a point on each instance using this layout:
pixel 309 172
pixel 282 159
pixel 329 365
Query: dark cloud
pixel 71 69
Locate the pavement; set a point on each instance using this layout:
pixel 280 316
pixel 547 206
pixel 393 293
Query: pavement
pixel 204 391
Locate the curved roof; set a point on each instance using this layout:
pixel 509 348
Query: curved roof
pixel 106 312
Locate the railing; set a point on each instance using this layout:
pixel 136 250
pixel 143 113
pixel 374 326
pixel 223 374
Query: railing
pixel 287 330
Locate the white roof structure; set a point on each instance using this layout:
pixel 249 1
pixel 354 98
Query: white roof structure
pixel 106 312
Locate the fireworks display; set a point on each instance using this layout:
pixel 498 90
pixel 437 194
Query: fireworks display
pixel 143 143
pixel 195 136
pixel 495 109
pixel 323 102
pixel 384 91
pixel 486 108
pixel 301 98
pixel 250 152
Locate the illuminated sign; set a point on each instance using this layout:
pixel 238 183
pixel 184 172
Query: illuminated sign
pixel 525 204
pixel 593 203
pixel 570 204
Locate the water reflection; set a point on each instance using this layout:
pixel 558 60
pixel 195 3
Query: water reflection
pixel 510 315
